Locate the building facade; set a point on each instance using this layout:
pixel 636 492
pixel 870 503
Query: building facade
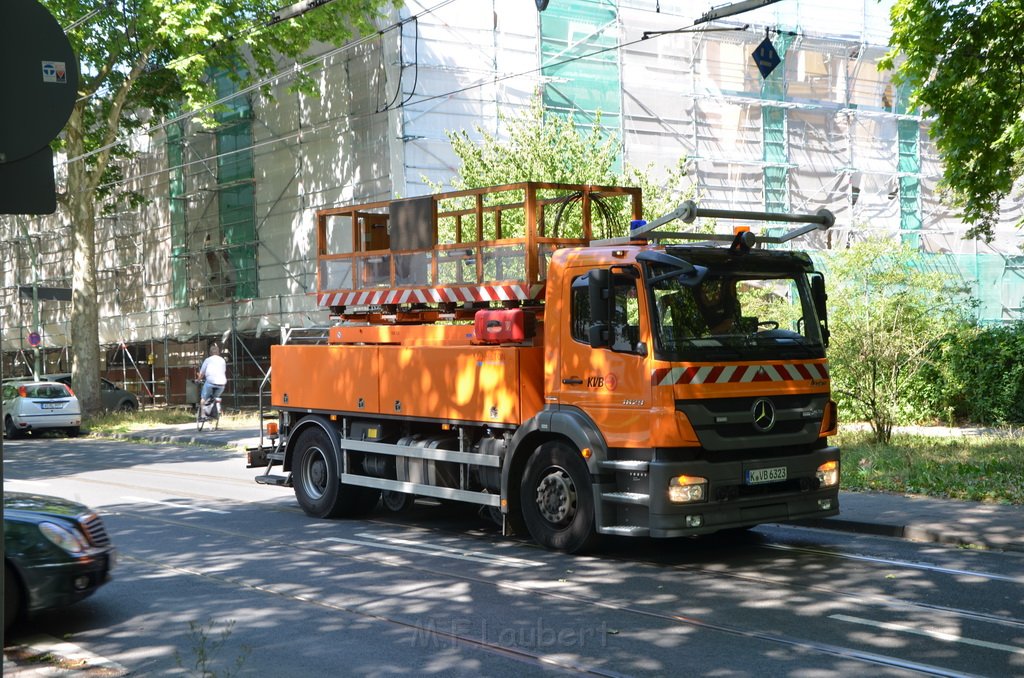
pixel 225 248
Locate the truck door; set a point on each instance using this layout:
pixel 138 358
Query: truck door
pixel 612 385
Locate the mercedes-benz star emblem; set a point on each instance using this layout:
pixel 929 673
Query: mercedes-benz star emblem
pixel 764 415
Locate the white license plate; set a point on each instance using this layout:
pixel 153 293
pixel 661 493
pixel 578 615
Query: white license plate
pixel 51 406
pixel 758 476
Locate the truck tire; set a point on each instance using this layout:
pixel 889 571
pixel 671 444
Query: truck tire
pixel 557 499
pixel 317 483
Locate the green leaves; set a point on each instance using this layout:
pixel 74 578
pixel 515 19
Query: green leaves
pixel 543 146
pixel 887 312
pixel 965 64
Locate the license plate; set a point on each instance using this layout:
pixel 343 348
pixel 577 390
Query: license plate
pixel 51 406
pixel 758 476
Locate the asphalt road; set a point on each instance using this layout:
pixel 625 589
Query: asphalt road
pixel 218 573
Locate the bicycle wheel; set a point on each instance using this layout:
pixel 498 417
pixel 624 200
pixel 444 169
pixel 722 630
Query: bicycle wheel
pixel 200 419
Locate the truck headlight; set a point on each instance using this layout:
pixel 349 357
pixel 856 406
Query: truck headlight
pixel 687 489
pixel 828 474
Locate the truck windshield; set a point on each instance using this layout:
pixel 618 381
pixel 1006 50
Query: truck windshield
pixel 734 314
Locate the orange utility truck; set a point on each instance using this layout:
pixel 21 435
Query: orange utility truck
pixel 489 348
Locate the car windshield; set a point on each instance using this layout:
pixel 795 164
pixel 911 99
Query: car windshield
pixel 46 391
pixel 750 314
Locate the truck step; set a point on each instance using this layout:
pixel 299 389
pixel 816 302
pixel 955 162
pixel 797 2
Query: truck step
pixel 625 530
pixel 624 465
pixel 267 479
pixel 627 498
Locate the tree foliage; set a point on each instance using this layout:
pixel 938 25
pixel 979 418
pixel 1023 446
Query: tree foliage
pixel 537 146
pixel 887 312
pixel 148 58
pixel 964 63
pixel 975 375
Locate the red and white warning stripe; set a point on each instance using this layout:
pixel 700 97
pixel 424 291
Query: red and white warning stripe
pixel 739 374
pixel 431 295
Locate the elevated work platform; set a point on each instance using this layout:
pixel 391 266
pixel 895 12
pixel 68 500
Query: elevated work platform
pixel 450 253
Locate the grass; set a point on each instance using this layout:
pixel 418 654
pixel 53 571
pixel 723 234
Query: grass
pixel 112 422
pixel 976 468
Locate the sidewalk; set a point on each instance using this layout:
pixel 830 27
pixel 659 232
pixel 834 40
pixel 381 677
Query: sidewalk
pixel 944 521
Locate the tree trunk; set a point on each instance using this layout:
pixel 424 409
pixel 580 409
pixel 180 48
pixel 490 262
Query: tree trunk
pixel 85 343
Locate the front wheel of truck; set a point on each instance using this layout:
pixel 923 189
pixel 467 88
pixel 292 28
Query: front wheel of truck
pixel 557 499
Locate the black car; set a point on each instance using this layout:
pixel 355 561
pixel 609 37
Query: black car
pixel 56 552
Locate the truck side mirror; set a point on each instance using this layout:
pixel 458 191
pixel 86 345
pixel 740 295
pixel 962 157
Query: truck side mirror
pixel 820 298
pixel 599 282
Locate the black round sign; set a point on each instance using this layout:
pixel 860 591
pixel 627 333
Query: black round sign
pixel 39 78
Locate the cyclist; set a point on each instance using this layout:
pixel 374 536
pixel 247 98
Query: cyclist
pixel 214 371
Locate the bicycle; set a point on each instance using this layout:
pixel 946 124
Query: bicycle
pixel 208 410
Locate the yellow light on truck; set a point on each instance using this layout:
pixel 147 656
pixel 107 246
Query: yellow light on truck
pixel 828 474
pixel 586 453
pixel 271 429
pixel 687 489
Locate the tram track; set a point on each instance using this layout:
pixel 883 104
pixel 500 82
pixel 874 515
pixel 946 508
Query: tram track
pixel 375 559
pixel 393 522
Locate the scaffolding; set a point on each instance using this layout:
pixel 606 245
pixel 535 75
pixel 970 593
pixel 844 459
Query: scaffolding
pixel 225 248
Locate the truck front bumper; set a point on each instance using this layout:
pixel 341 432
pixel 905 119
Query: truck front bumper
pixel 733 497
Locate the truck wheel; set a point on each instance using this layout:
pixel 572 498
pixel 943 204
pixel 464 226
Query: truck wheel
pixel 317 483
pixel 557 499
pixel 316 477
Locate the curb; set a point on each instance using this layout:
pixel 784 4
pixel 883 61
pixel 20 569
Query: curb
pixel 910 533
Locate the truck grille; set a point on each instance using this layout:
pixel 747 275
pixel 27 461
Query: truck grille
pixel 724 424
pixel 95 530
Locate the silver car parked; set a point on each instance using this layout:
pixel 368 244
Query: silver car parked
pixel 40 405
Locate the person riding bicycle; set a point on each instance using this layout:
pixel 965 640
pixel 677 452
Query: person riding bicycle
pixel 215 372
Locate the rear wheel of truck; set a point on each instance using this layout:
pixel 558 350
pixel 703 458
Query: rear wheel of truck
pixel 557 499
pixel 317 483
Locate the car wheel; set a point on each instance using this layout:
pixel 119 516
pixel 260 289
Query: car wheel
pixel 12 597
pixel 10 430
pixel 127 407
pixel 557 499
pixel 74 431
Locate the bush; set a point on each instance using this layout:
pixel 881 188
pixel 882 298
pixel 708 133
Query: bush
pixel 973 375
pixel 888 313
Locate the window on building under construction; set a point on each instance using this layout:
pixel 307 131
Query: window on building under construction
pixel 813 76
pixel 729 66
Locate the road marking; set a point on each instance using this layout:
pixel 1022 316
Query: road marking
pixel 381 543
pixel 19 481
pixel 897 563
pixel 937 635
pixel 58 657
pixel 186 507
pixel 501 559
